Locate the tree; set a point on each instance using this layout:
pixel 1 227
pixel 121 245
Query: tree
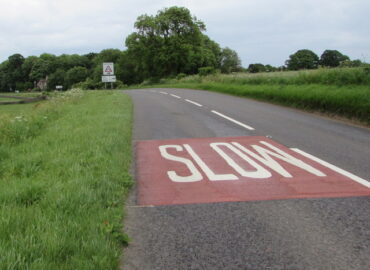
pixel 332 58
pixel 270 68
pixel 15 61
pixel 5 77
pixel 303 59
pixel 351 63
pixel 15 72
pixel 170 43
pixel 27 66
pixel 255 68
pixel 230 61
pixel 127 70
pixel 40 69
pixel 75 75
pixel 57 78
pixel 66 61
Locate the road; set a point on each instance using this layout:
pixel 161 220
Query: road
pixel 308 233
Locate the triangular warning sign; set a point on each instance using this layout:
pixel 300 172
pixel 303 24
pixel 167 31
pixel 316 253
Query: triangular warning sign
pixel 108 69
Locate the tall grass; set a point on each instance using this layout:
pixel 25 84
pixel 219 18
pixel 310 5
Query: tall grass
pixel 335 76
pixel 63 177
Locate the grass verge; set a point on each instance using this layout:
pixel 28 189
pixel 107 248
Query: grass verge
pixel 64 172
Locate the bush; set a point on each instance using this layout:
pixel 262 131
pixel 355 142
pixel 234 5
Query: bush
pixel 180 76
pixel 205 71
pixel 119 85
pixel 89 84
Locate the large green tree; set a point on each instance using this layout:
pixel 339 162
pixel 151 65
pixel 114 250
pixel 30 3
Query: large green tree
pixel 332 58
pixel 303 59
pixel 257 67
pixel 58 78
pixel 230 61
pixel 169 43
pixel 75 75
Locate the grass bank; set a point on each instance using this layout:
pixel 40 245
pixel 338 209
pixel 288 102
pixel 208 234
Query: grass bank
pixel 341 92
pixel 64 172
pixel 7 112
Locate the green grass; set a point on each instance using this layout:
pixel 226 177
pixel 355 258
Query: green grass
pixel 7 112
pixel 64 173
pixel 333 76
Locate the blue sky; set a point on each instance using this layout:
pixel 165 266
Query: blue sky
pixel 261 31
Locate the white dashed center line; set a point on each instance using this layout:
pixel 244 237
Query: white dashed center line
pixel 175 96
pixel 164 93
pixel 233 120
pixel 193 102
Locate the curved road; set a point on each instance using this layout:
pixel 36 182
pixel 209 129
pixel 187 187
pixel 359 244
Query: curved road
pixel 321 233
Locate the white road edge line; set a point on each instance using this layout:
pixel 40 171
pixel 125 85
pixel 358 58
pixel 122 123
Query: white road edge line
pixel 334 168
pixel 233 120
pixel 175 96
pixel 193 102
pixel 164 93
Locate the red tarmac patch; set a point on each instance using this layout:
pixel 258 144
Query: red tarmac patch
pixel 205 170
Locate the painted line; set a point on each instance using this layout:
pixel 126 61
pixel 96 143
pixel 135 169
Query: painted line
pixel 334 168
pixel 233 120
pixel 193 102
pixel 175 96
pixel 164 93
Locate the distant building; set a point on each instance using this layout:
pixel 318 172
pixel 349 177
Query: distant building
pixel 43 84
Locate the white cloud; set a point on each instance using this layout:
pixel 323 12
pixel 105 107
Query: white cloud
pixel 264 31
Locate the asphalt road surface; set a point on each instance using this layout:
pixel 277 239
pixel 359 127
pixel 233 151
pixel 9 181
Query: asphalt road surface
pixel 309 233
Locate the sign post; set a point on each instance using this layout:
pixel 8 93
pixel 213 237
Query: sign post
pixel 108 74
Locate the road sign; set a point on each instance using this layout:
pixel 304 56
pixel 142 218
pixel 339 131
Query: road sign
pixel 236 169
pixel 108 79
pixel 59 87
pixel 108 69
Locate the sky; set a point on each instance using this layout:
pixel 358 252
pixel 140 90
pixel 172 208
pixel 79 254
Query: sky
pixel 260 31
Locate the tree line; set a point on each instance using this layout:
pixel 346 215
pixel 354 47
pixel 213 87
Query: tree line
pixel 171 43
pixel 307 59
pixel 165 45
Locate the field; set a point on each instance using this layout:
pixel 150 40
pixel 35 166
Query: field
pixel 64 173
pixel 341 92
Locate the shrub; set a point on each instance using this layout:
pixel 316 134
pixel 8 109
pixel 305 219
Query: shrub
pixel 180 76
pixel 205 71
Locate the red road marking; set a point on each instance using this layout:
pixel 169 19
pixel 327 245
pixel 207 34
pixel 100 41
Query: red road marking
pixel 208 170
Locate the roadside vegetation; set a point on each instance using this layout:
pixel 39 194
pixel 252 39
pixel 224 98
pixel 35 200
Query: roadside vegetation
pixel 64 173
pixel 173 44
pixel 340 91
